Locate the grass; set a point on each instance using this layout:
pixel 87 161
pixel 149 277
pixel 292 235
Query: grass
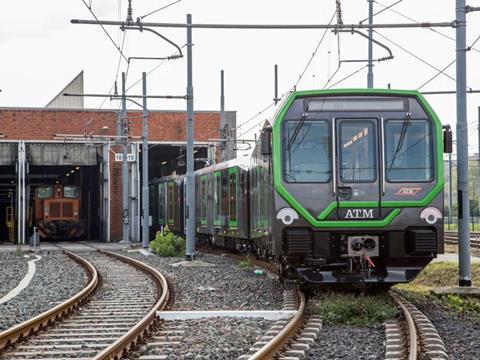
pixel 441 274
pixel 352 309
pixel 246 264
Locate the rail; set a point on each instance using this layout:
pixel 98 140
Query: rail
pixel 31 326
pixel 411 329
pixel 121 347
pixel 270 349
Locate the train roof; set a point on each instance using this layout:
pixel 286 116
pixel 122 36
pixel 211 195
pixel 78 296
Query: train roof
pixel 242 163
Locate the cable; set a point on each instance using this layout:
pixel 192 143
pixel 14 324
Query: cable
pixel 155 11
pixel 417 22
pixel 379 12
pixel 105 30
pixel 436 75
pixel 348 76
pixel 314 52
pixel 412 54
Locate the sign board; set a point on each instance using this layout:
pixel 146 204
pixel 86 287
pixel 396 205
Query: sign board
pixel 130 157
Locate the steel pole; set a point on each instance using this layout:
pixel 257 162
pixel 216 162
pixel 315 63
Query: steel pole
pixel 145 193
pixel 223 125
pixel 370 45
pixel 478 194
pixel 190 179
pixel 450 189
pixel 125 192
pixel 462 149
pixel 275 74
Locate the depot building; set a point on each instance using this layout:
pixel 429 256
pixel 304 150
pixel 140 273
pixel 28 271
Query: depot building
pixel 66 144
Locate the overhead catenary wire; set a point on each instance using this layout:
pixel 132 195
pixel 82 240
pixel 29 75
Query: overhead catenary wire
pixel 160 9
pixel 417 22
pixel 89 7
pixel 414 55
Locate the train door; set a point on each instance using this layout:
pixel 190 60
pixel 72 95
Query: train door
pixel 357 187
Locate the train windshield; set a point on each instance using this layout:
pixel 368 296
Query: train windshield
pixel 45 192
pixel 408 151
pixel 71 192
pixel 358 151
pixel 307 151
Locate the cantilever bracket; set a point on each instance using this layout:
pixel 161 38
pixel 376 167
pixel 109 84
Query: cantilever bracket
pixel 141 28
pixel 390 54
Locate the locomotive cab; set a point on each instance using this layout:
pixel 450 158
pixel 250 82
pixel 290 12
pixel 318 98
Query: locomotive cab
pixel 57 211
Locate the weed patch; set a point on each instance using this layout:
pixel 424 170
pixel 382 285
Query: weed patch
pixel 349 309
pixel 168 244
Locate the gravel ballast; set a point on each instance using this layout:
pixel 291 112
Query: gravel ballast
pixel 458 331
pixel 56 279
pixel 13 269
pixel 214 338
pixel 224 286
pixel 348 342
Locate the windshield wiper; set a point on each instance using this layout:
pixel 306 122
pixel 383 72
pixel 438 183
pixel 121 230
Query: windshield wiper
pixel 401 140
pixel 297 130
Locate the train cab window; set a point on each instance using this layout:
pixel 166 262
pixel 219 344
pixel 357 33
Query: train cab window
pixel 307 151
pixel 71 192
pixel 408 151
pixel 45 192
pixel 357 148
pixel 232 192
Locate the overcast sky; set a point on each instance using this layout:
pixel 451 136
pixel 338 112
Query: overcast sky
pixel 42 51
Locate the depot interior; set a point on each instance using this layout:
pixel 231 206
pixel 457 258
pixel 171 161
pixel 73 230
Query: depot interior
pixel 75 164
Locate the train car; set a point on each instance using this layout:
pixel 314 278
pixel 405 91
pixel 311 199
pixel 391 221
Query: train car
pixel 166 203
pixel 357 185
pixel 57 212
pixel 343 186
pixel 222 203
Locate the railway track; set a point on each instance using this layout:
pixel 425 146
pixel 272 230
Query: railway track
pixel 106 320
pixel 452 238
pixel 417 338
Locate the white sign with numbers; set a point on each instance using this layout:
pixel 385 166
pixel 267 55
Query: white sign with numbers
pixel 131 157
pixel 119 157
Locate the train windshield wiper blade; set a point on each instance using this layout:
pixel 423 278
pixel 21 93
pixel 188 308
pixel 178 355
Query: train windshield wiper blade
pixel 406 121
pixel 297 130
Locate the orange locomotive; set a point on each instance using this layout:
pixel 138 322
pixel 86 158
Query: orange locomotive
pixel 57 211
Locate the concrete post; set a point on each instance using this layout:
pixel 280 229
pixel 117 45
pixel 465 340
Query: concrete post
pixel 370 46
pixel 125 188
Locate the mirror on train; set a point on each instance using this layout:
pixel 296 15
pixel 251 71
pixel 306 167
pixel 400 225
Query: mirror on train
pixel 447 139
pixel 265 138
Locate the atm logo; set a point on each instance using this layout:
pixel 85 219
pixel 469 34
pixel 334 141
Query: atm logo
pixel 359 214
pixel 408 191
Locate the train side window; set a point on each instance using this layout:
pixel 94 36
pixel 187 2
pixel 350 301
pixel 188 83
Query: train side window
pixel 171 202
pixel 224 197
pixel 203 200
pixel 161 203
pixel 216 198
pixel 232 193
pixel 408 151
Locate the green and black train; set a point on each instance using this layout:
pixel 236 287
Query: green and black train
pixel 343 186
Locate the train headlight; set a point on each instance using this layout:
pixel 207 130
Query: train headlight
pixel 431 215
pixel 287 215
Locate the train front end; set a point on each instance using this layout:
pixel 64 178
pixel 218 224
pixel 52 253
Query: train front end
pixel 358 179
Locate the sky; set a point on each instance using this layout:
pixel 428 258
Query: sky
pixel 42 51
